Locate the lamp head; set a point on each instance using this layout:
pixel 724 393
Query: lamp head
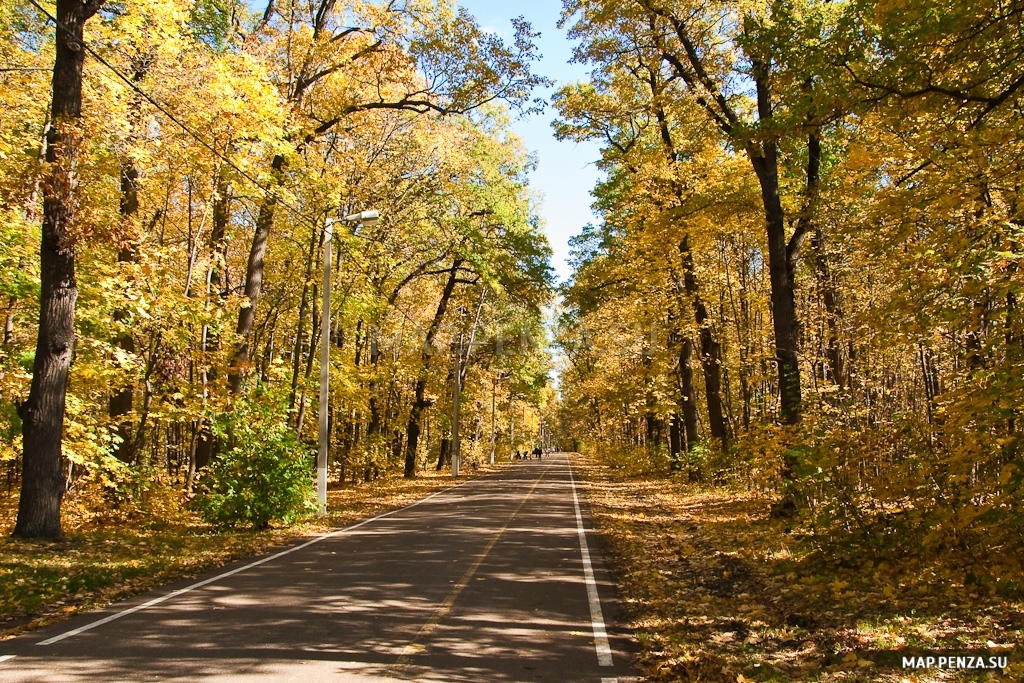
pixel 364 217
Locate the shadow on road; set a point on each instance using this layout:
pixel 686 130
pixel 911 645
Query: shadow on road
pixel 475 585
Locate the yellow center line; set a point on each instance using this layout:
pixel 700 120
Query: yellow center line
pixel 442 611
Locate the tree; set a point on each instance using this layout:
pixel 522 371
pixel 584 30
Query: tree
pixel 632 108
pixel 42 413
pixel 464 69
pixel 710 53
pixel 217 126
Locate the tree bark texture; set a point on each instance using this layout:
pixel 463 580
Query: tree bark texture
pixel 42 413
pixel 688 402
pixel 253 283
pixel 710 349
pixel 783 298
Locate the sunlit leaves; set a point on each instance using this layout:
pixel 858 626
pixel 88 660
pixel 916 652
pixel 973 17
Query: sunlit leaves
pixel 202 115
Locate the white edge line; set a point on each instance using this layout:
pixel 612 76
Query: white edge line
pixel 604 650
pixel 609 680
pixel 200 584
pixel 4 658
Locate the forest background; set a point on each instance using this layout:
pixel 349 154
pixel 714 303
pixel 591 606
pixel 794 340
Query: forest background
pixel 806 276
pixel 802 283
pixel 211 146
pixel 803 287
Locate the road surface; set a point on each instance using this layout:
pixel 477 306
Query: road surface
pixel 492 581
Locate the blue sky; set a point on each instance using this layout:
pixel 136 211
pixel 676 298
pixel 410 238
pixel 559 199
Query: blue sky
pixel 565 171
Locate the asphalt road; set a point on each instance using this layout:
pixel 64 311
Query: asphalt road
pixel 491 581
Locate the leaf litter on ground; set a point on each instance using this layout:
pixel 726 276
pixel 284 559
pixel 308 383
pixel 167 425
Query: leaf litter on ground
pixel 718 591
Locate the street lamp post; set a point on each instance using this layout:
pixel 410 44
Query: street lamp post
pixel 494 388
pixel 361 218
pixel 511 423
pixel 457 413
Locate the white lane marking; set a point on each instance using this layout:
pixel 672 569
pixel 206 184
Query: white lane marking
pixel 609 680
pixel 604 650
pixel 200 584
pixel 4 658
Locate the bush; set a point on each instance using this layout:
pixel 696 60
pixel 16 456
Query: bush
pixel 266 475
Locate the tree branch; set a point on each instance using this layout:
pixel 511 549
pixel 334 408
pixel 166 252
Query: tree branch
pixel 811 191
pixel 91 7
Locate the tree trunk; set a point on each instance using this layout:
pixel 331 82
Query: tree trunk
pixel 783 297
pixel 675 442
pixel 253 282
pixel 375 422
pixel 122 401
pixel 444 458
pixel 710 349
pixel 300 331
pixel 12 302
pixel 765 160
pixel 313 344
pixel 207 443
pixel 763 156
pixel 833 313
pixel 419 401
pixel 688 402
pixel 42 413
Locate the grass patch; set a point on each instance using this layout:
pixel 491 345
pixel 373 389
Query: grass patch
pixel 105 557
pixel 716 590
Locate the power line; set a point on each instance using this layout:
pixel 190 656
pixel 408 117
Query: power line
pixel 270 193
pixel 166 112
